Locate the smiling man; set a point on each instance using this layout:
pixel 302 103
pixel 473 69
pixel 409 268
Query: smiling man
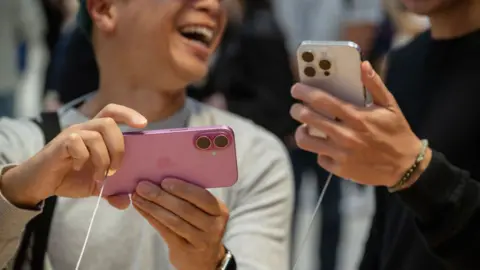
pixel 147 51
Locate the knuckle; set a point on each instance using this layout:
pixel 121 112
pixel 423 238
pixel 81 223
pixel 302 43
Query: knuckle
pixel 175 221
pixel 109 122
pixel 96 136
pixel 75 127
pixel 110 107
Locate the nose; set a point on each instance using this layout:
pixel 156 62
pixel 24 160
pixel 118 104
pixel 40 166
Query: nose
pixel 212 7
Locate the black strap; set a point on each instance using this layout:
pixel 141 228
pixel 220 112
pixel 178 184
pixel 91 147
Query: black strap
pixel 38 229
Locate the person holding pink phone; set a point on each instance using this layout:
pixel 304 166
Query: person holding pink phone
pixel 147 52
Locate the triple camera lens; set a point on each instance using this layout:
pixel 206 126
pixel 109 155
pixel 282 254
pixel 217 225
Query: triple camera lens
pixel 204 142
pixel 324 65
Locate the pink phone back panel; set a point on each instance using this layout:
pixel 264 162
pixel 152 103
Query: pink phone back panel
pixel 156 155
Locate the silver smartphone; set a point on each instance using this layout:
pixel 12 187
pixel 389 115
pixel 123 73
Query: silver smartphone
pixel 334 67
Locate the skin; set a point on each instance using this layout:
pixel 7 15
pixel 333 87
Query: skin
pixel 142 60
pixel 367 141
pixel 375 141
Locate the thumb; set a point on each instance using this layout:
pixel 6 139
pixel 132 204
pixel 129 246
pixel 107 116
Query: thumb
pixel 120 202
pixel 124 115
pixel 375 86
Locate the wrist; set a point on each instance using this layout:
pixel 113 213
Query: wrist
pixel 12 188
pixel 422 166
pixel 410 171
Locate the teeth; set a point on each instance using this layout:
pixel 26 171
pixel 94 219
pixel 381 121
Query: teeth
pixel 207 33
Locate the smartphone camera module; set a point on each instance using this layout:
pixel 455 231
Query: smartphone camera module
pixel 325 64
pixel 309 72
pixel 203 143
pixel 308 57
pixel 221 141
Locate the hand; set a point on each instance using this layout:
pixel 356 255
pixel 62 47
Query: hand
pixel 74 163
pixel 373 145
pixel 190 220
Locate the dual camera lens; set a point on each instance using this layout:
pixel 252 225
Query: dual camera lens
pixel 324 65
pixel 204 142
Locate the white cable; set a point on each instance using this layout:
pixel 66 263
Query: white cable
pixel 90 226
pixel 317 207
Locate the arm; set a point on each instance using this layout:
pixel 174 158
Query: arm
pixel 446 201
pixel 360 22
pixel 374 245
pixel 18 141
pixel 258 232
pixel 32 26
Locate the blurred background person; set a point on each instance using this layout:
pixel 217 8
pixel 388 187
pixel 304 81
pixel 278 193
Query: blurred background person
pixel 400 26
pixel 22 22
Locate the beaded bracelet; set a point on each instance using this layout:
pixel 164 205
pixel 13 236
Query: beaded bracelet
pixel 408 174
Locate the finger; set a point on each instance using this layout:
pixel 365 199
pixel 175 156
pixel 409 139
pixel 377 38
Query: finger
pixel 333 129
pixel 98 152
pixel 314 144
pixel 197 196
pixel 170 237
pixel 77 151
pixel 122 114
pixel 376 87
pixel 119 201
pixel 323 102
pixel 328 164
pixel 188 212
pixel 170 220
pixel 113 138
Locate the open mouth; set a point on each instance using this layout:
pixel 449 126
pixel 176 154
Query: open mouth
pixel 199 34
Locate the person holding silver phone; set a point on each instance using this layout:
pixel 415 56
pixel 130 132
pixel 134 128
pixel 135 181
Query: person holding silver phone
pixel 428 213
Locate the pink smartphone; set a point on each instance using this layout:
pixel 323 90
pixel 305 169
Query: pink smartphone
pixel 203 156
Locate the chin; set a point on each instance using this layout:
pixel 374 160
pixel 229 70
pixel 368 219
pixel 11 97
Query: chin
pixel 193 74
pixel 190 69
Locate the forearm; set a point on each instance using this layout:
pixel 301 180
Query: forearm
pixel 13 221
pixel 446 201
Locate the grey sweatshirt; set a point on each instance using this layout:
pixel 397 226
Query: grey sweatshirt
pixel 260 204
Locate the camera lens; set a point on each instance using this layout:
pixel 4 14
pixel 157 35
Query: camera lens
pixel 203 143
pixel 326 73
pixel 309 71
pixel 308 57
pixel 325 64
pixel 221 141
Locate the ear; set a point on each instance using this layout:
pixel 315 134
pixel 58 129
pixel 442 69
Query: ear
pixel 103 14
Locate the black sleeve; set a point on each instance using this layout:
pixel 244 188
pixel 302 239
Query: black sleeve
pixel 446 202
pixel 371 256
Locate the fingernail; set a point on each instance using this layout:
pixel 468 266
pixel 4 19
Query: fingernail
pixel 144 188
pixel 140 120
pixel 168 184
pixel 111 172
